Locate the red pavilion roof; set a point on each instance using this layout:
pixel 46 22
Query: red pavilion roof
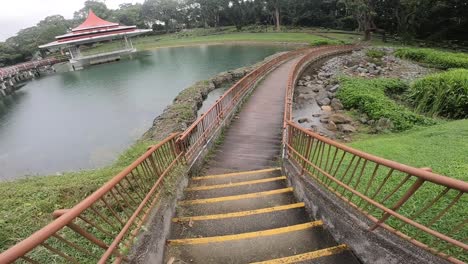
pixel 94 21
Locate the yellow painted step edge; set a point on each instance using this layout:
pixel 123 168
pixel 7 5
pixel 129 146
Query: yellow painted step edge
pixel 235 184
pixel 238 214
pixel 306 256
pixel 263 233
pixel 235 197
pixel 233 174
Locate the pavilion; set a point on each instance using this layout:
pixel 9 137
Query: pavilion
pixel 95 29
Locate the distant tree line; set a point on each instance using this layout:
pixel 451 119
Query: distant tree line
pixel 408 19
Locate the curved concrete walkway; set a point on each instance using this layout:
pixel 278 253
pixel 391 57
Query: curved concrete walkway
pixel 253 139
pixel 250 215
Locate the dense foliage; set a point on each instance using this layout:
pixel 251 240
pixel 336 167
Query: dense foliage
pixel 370 97
pixel 409 19
pixel 442 94
pixel 437 58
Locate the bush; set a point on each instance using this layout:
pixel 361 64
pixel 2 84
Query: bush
pixel 369 97
pixel 442 94
pixel 375 54
pixel 441 59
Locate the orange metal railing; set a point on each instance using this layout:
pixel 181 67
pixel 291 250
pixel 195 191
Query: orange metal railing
pixel 103 226
pixel 193 140
pixel 425 208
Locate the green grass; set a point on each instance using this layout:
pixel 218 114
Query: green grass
pixel 435 58
pixel 185 39
pixel 442 94
pixel 442 147
pixel 370 97
pixel 27 204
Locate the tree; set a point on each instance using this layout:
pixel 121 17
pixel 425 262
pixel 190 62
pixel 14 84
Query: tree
pixel 161 11
pixel 99 8
pixel 364 15
pixel 275 5
pixel 130 14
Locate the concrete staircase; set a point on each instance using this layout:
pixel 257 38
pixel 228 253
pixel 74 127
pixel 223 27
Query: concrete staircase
pixel 248 217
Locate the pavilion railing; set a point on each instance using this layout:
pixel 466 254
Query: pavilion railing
pixel 103 226
pixel 12 70
pixel 424 208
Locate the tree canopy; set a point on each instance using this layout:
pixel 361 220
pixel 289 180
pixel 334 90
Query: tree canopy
pixel 408 19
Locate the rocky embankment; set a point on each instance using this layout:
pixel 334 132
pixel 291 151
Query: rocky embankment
pixel 316 106
pixel 183 111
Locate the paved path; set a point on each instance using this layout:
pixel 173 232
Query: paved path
pixel 250 215
pixel 253 139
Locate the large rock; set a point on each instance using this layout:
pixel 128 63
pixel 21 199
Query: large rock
pixel 322 98
pixel 346 128
pixel 324 101
pixel 314 87
pixel 336 104
pixel 303 120
pixel 383 124
pixel 340 119
pixel 334 88
pixel 326 108
pixel 331 126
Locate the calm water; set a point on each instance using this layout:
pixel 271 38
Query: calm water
pixel 85 119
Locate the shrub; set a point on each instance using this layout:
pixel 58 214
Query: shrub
pixel 441 59
pixel 369 97
pixel 375 54
pixel 442 94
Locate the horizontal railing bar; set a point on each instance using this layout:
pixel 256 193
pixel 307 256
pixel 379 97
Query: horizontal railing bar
pixel 382 207
pixel 420 173
pixel 44 233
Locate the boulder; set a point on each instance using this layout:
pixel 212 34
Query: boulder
pixel 334 88
pixel 303 120
pixel 324 119
pixel 326 108
pixel 383 124
pixel 331 126
pixel 346 128
pixel 336 104
pixel 307 78
pixel 330 95
pixel 316 115
pixel 324 101
pixel 340 119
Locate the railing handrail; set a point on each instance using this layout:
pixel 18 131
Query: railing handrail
pixel 421 175
pixel 184 134
pixel 37 238
pixel 418 172
pixel 28 66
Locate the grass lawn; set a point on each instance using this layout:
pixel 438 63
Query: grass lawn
pixel 442 147
pixel 27 204
pixel 179 39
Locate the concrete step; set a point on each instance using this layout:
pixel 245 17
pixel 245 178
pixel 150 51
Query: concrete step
pixel 233 177
pixel 245 187
pixel 236 203
pixel 253 247
pixel 330 255
pixel 242 223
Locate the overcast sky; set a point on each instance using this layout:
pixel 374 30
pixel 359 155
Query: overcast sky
pixel 19 14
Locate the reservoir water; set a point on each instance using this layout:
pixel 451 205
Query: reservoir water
pixel 85 119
